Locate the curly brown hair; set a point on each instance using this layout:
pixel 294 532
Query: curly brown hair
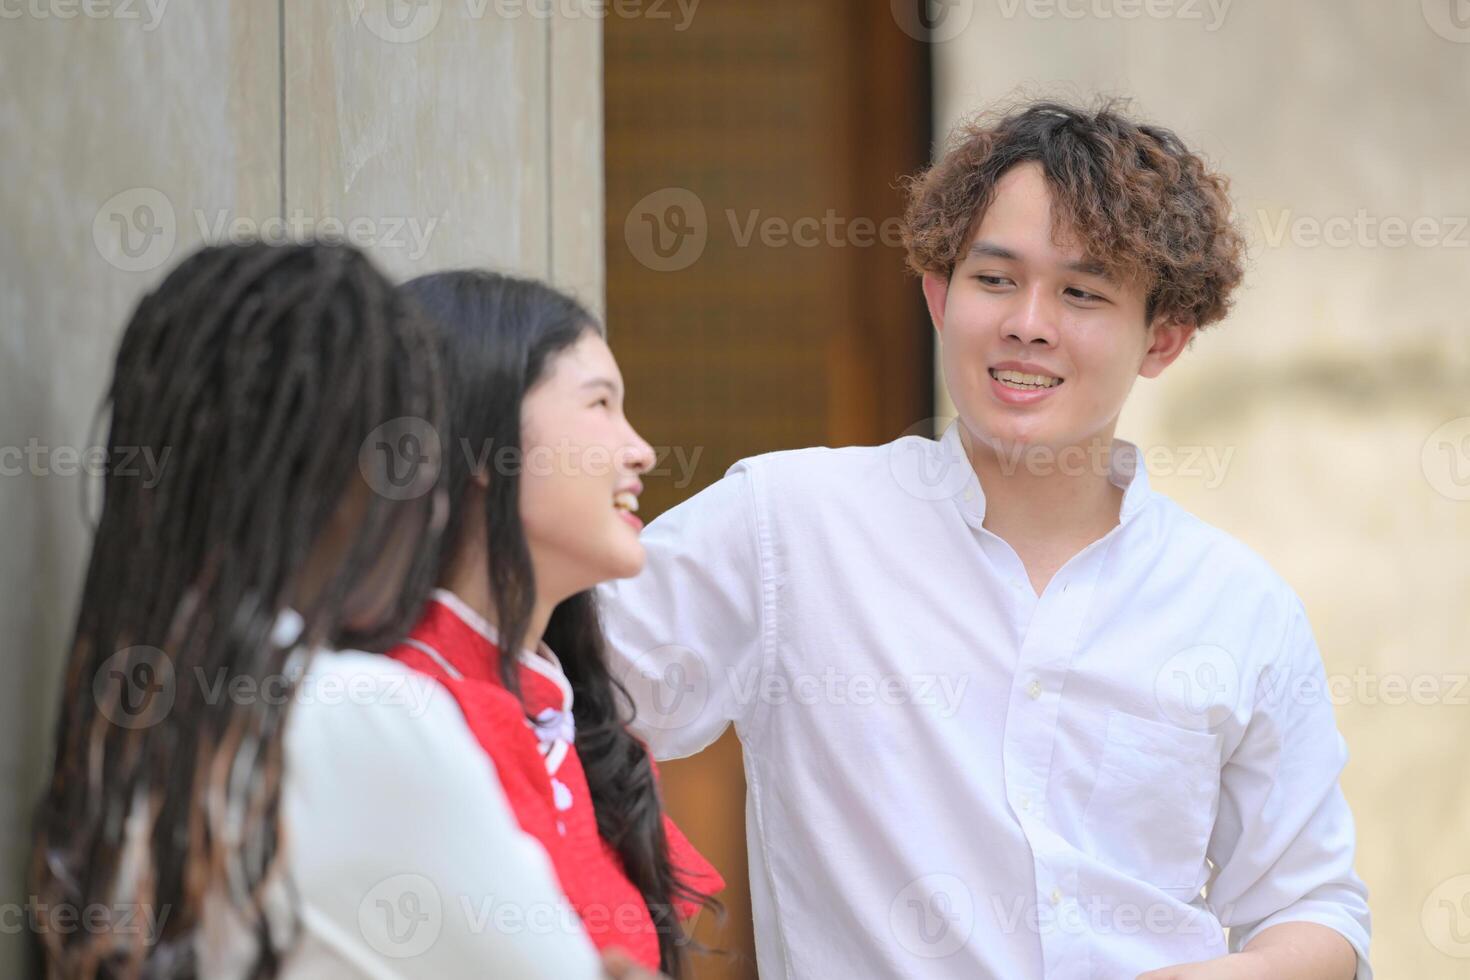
pixel 1134 197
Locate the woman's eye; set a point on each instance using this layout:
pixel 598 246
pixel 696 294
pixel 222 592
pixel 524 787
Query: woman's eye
pixel 603 402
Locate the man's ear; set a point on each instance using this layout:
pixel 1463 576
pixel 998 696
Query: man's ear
pixel 936 293
pixel 1169 338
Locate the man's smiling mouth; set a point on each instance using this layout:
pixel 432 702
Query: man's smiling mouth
pixel 1024 382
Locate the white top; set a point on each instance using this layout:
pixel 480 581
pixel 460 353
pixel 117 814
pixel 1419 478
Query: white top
pixel 949 776
pixel 406 857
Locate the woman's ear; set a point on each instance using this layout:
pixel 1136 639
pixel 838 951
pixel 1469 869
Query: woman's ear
pixel 1170 336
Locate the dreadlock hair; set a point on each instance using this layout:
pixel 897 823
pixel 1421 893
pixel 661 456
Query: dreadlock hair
pixel 260 371
pixel 499 336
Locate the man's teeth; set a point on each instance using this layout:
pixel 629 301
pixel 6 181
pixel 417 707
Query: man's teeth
pixel 1016 379
pixel 626 501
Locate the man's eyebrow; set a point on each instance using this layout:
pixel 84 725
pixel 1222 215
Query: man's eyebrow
pixel 1086 266
pixel 994 251
pixel 1089 267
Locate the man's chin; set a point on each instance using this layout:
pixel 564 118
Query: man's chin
pixel 1014 437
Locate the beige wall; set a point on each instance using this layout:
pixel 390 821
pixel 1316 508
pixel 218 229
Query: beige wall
pixel 452 139
pixel 1329 388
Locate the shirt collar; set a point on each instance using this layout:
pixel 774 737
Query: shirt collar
pixel 542 660
pixel 1125 472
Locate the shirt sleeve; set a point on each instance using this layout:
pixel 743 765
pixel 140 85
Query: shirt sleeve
pixel 686 636
pixel 403 849
pixel 1284 841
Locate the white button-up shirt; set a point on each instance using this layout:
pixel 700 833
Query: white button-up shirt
pixel 950 776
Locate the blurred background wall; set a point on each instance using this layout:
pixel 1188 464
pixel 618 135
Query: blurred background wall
pixel 438 134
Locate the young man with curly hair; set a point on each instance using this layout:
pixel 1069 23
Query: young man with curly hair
pixel 1006 711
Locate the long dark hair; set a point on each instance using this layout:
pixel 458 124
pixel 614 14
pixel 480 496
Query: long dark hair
pixel 500 333
pixel 261 371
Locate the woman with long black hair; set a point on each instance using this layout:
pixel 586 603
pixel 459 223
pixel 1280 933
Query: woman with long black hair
pixel 231 795
pixel 543 479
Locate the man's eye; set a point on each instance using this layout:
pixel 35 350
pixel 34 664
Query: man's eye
pixel 1083 294
pixel 993 280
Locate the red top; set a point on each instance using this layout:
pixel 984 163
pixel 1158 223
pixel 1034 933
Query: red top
pixel 542 775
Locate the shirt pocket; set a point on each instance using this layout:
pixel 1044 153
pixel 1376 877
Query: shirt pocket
pixel 1152 807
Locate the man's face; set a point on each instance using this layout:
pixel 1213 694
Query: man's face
pixel 1038 347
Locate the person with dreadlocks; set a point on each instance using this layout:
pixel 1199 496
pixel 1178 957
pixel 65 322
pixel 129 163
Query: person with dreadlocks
pixel 274 806
pixel 543 486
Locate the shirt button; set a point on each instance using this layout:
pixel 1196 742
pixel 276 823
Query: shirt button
pixel 1025 802
pixel 1034 690
pixel 1056 896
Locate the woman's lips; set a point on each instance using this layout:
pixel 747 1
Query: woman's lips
pixel 625 502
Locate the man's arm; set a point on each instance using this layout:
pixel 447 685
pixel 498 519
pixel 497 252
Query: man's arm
pixel 686 636
pixel 1290 951
pixel 1284 841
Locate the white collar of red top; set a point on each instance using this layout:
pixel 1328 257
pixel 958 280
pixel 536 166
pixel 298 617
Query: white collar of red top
pixel 542 660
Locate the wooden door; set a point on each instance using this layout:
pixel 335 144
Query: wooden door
pixel 757 298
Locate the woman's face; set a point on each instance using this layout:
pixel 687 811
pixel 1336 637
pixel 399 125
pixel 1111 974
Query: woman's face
pixel 579 481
